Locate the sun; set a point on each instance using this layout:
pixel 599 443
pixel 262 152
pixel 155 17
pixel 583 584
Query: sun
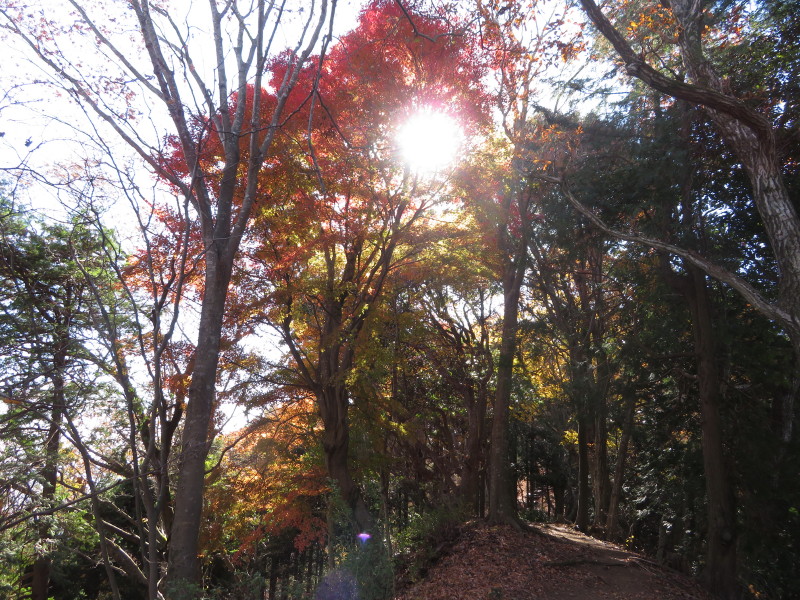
pixel 429 141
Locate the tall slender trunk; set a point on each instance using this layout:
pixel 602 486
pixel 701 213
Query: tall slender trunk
pixel 721 560
pixel 502 496
pixel 40 577
pixel 595 373
pixel 514 256
pixel 470 474
pixel 600 476
pixel 583 388
pixel 612 521
pixel 184 565
pixel 385 503
pixel 584 490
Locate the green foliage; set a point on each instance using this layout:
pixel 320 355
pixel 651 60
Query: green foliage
pixel 16 553
pixel 184 590
pixel 372 568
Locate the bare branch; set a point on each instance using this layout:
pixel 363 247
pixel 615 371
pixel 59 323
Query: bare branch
pixel 747 291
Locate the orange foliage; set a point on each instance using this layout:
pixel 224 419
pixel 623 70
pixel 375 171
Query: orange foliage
pixel 271 483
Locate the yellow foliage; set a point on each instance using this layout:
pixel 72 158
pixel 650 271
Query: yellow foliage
pixel 570 438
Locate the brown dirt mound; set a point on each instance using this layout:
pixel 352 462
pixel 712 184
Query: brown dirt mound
pixel 552 562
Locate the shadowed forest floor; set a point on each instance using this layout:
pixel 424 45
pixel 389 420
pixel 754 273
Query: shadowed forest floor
pixel 554 563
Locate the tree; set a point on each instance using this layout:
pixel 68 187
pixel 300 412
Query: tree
pixel 700 33
pixel 459 315
pixel 51 366
pixel 684 205
pixel 222 200
pixel 265 505
pixel 348 213
pixel 517 58
pixel 752 134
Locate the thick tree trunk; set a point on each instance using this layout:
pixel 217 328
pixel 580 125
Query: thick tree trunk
pixel 184 566
pixel 720 572
pixel 333 404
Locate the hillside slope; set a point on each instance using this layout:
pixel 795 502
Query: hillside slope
pixel 553 562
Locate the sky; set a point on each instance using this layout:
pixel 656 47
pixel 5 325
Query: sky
pixel 47 133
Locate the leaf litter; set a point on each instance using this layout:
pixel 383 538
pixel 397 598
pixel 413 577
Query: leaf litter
pixel 551 562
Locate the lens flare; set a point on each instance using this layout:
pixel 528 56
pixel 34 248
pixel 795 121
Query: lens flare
pixel 429 141
pixel 363 537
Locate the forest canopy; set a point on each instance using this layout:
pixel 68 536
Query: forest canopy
pixel 290 289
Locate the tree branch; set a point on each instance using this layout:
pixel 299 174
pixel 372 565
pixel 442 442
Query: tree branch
pixel 636 66
pixel 769 309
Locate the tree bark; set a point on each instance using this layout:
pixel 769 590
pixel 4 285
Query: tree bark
pixel 333 406
pixel 502 495
pixel 600 477
pixel 721 558
pixel 584 490
pixel 184 565
pixel 40 577
pixel 721 561
pixel 612 521
pixel 470 474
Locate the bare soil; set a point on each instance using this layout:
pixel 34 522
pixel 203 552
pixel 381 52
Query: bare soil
pixel 552 562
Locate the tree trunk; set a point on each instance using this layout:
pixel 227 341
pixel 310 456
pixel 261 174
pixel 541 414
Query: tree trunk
pixel 502 496
pixel 333 404
pixel 559 491
pixel 600 475
pixel 721 560
pixel 619 469
pixel 385 512
pixel 720 572
pixel 595 374
pixel 470 474
pixel 40 577
pixel 184 566
pixel 514 256
pixel 584 492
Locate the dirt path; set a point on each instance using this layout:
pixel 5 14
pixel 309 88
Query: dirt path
pixel 595 569
pixel 553 562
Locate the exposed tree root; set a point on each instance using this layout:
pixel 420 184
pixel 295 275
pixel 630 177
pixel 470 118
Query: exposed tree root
pixel 583 561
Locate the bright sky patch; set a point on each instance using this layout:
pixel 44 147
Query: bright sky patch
pixel 429 141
